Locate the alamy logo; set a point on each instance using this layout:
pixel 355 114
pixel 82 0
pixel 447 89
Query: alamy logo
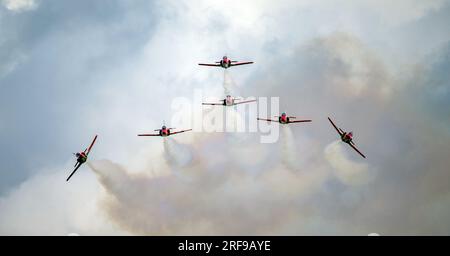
pixel 229 114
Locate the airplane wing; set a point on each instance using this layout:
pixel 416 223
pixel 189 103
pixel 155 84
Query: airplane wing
pixel 172 133
pixel 335 127
pixel 300 121
pixel 357 150
pixel 92 144
pixel 241 63
pixel 157 134
pixel 76 168
pixel 215 104
pixel 210 65
pixel 269 120
pixel 246 101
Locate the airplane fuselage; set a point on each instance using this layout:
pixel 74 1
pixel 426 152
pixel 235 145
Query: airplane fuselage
pixel 229 101
pixel 81 157
pixel 346 137
pixel 225 62
pixel 164 132
pixel 283 120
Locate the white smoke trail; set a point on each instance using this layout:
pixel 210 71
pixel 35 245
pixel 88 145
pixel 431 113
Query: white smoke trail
pixel 210 203
pixel 234 121
pixel 165 205
pixel 346 170
pixel 177 154
pixel 229 86
pixel 135 201
pixel 290 154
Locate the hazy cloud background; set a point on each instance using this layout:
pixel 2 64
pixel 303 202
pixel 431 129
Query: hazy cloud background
pixel 72 69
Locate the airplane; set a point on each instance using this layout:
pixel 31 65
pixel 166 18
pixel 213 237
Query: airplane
pixel 284 119
pixel 82 157
pixel 225 62
pixel 164 132
pixel 229 101
pixel 346 137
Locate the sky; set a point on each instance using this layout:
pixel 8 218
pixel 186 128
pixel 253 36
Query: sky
pixel 73 69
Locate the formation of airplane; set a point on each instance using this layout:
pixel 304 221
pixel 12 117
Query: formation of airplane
pixel 164 132
pixel 229 101
pixel 82 157
pixel 284 119
pixel 225 62
pixel 346 137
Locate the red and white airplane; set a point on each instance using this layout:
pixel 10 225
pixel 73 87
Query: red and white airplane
pixel 284 119
pixel 346 137
pixel 164 132
pixel 82 157
pixel 229 101
pixel 225 62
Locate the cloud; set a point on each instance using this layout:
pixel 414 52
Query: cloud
pixel 61 51
pixel 289 149
pixel 338 62
pixel 46 204
pixel 10 62
pixel 209 203
pixel 177 153
pixel 404 10
pixel 347 171
pixel 20 5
